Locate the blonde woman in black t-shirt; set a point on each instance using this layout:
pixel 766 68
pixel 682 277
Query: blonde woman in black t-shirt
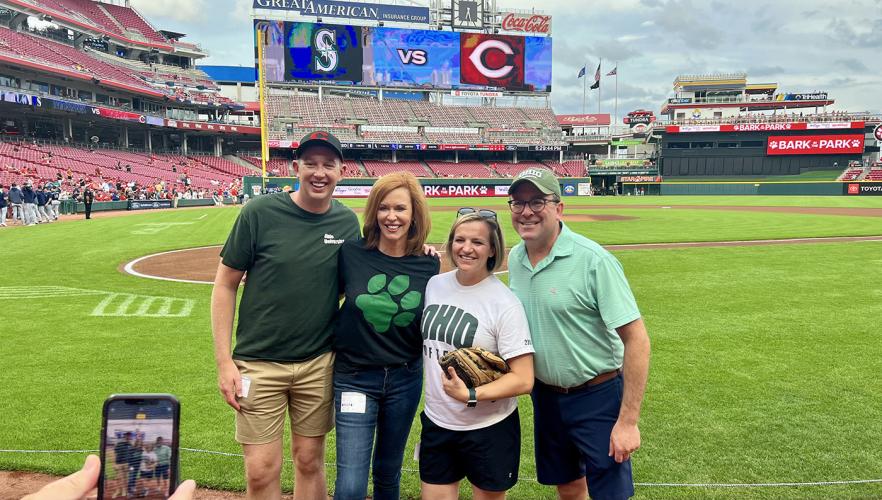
pixel 378 344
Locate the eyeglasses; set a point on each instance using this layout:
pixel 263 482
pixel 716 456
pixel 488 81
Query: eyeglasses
pixel 536 204
pixel 486 214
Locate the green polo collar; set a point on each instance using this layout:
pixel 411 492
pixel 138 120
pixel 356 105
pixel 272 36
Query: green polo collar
pixel 562 247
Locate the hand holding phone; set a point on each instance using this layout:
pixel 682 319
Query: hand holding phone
pixel 139 446
pixel 81 483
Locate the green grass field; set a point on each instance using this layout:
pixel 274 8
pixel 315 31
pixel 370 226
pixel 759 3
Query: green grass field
pixel 765 364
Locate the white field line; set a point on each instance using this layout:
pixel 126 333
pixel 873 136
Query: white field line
pixel 130 267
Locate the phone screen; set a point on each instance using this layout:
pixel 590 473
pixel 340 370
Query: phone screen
pixel 139 448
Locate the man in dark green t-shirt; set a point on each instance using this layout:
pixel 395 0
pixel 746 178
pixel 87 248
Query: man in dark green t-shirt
pixel 288 244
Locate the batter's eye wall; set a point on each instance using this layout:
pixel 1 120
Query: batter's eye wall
pixel 741 153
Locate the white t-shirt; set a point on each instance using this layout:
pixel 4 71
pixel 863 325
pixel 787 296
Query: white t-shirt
pixel 485 315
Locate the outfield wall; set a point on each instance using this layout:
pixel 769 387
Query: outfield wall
pixel 434 188
pixel 753 188
pixel 439 188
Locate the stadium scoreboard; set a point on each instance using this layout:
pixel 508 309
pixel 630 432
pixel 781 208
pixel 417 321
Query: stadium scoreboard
pixel 375 56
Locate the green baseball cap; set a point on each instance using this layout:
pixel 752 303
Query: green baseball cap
pixel 544 180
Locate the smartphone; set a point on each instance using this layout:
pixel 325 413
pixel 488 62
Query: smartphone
pixel 139 446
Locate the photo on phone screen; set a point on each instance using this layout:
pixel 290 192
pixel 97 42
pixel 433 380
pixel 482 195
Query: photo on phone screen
pixel 139 447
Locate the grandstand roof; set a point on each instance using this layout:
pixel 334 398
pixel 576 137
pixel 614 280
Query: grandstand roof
pixel 243 74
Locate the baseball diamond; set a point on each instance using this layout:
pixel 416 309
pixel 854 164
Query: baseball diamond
pixel 690 310
pixel 765 277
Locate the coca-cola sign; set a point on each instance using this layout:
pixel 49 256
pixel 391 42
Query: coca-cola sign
pixel 526 23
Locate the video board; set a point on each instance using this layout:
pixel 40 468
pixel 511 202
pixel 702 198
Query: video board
pixel 405 58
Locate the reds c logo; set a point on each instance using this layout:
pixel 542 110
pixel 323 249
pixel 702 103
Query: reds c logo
pixel 482 53
pixel 496 60
pixel 322 136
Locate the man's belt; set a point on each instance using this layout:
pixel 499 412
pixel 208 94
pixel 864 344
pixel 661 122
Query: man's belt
pixel 603 377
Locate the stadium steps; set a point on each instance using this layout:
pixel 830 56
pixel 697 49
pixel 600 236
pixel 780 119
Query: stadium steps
pixel 239 161
pixel 118 24
pixel 362 168
pixel 429 172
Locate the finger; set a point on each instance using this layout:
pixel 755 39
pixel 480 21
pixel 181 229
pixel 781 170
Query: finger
pixel 185 491
pixel 230 396
pixel 612 448
pixel 451 373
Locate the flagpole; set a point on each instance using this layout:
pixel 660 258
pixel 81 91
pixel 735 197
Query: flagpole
pixel 616 109
pixel 584 86
pixel 599 89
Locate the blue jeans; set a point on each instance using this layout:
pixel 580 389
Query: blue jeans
pixel 390 398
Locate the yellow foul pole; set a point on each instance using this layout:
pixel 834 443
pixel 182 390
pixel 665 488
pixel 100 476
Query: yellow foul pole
pixel 261 75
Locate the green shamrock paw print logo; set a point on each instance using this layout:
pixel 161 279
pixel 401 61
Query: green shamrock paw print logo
pixel 386 304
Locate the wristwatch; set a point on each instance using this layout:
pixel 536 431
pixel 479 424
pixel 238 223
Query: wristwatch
pixel 473 398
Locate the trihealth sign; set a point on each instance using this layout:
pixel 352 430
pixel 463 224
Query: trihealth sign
pixel 348 10
pixel 815 145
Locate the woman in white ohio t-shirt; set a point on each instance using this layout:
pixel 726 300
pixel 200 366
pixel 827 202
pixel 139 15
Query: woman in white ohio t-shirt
pixel 472 433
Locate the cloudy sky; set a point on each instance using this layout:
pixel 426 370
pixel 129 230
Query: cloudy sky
pixel 803 45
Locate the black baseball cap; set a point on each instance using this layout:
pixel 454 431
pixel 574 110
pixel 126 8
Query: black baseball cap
pixel 320 138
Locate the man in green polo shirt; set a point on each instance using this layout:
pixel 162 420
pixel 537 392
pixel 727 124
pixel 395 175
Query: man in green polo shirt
pixel 592 349
pixel 287 243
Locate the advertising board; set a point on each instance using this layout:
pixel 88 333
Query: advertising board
pixel 864 189
pixel 526 23
pixel 352 10
pixel 407 58
pixel 764 127
pixel 815 144
pixel 588 120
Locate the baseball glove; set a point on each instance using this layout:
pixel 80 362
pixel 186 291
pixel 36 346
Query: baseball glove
pixel 474 365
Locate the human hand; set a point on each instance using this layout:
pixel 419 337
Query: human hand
pixel 623 441
pixel 454 386
pixel 229 381
pixel 83 483
pixel 430 250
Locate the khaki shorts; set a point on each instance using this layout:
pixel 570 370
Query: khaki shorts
pixel 305 389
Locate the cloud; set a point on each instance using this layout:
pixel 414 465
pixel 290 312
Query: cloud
pixel 833 47
pixel 853 64
pixel 765 71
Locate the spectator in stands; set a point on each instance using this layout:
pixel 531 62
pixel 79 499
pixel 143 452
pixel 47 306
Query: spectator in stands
pixel 30 203
pixel 379 361
pixel 3 206
pixel 284 336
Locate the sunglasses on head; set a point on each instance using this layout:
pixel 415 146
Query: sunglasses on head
pixel 484 213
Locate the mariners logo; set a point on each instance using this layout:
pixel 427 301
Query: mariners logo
pixel 325 43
